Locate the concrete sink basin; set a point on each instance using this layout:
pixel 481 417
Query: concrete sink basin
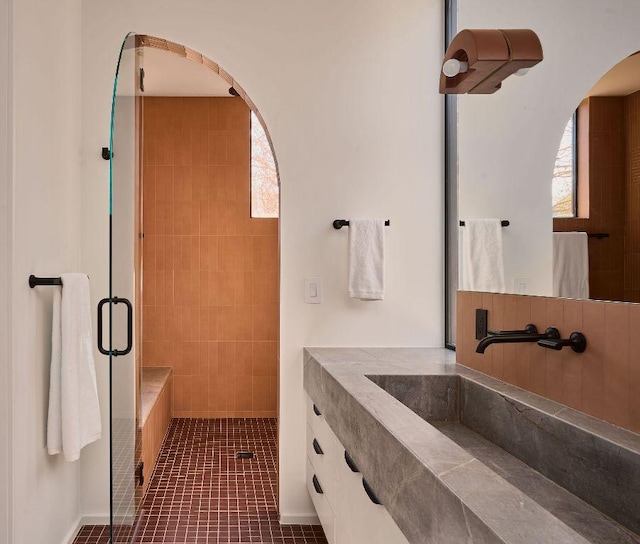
pixel 583 471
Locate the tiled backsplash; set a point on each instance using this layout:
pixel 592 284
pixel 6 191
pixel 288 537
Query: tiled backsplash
pixel 604 381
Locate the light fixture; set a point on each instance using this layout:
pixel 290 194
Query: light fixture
pixel 478 61
pixel 453 67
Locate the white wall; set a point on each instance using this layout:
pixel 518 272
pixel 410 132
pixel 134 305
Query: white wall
pixel 6 147
pixel 349 93
pixel 508 141
pixel 44 192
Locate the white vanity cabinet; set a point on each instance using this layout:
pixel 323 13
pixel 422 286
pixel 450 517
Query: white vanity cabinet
pixel 347 514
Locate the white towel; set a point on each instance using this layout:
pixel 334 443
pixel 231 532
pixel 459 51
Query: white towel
pixel 74 412
pixel 571 264
pixel 366 259
pixel 483 262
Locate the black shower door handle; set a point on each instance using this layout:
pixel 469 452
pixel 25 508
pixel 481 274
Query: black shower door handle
pixel 116 352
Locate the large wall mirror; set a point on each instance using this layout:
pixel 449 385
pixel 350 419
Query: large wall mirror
pixel 576 118
pixel 596 191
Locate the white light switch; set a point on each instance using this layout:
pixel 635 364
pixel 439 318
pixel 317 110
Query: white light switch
pixel 520 285
pixel 313 290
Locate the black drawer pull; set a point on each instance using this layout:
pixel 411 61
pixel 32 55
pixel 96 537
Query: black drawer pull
pixel 374 498
pixel 316 485
pixel 317 447
pixel 316 411
pixel 350 462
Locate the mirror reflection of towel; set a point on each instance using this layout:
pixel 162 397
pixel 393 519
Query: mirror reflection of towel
pixel 571 264
pixel 482 258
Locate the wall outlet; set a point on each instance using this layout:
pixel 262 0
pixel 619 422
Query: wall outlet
pixel 481 323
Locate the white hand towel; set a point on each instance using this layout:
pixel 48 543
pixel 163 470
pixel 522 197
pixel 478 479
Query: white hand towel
pixel 483 262
pixel 54 423
pixel 366 259
pixel 571 264
pixel 74 412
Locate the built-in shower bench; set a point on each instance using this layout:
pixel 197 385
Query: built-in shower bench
pixel 155 414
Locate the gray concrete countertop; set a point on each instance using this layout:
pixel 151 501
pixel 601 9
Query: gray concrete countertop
pixel 436 491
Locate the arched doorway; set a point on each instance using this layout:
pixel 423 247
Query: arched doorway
pixel 207 299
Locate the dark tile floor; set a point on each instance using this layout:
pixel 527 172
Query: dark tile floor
pixel 200 493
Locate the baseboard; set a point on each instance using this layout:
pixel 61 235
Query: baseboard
pixel 95 519
pixel 299 519
pixel 71 535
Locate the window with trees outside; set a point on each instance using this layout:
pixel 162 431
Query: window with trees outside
pixel 265 194
pixel 563 186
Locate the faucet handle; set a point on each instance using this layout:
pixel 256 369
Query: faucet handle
pixel 528 329
pixel 577 342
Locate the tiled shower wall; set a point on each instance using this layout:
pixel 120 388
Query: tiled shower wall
pixel 604 381
pixel 210 271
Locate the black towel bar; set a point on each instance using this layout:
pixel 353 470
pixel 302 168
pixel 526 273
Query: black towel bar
pixel 503 223
pixel 34 281
pixel 339 223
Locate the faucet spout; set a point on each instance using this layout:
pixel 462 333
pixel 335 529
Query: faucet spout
pixel 519 337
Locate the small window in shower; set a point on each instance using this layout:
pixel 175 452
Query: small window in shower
pixel 564 182
pixel 265 194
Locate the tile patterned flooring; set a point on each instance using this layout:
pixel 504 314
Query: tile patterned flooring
pixel 200 493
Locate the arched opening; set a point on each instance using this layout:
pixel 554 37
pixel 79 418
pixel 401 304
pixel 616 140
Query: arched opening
pixel 210 263
pixel 153 42
pixel 208 288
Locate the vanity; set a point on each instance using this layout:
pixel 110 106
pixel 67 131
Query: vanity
pixel 453 455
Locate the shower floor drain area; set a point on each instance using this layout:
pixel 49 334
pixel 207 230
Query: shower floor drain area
pixel 200 492
pixel 244 455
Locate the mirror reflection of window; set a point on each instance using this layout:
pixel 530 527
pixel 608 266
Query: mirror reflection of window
pixel 265 194
pixel 563 185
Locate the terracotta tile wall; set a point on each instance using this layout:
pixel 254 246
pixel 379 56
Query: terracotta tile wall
pixel 210 271
pixel 632 187
pixel 601 168
pixel 603 381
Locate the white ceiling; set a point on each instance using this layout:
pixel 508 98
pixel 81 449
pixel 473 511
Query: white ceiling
pixel 168 74
pixel 621 80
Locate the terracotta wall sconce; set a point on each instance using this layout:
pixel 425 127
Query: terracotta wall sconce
pixel 477 61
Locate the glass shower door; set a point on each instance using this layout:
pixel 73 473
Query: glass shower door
pixel 120 306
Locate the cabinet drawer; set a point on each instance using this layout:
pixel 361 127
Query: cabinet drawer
pixel 315 419
pixel 358 519
pixel 388 531
pixel 321 504
pixel 322 431
pixel 321 453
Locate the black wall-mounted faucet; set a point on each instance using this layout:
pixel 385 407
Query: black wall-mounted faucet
pixel 529 334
